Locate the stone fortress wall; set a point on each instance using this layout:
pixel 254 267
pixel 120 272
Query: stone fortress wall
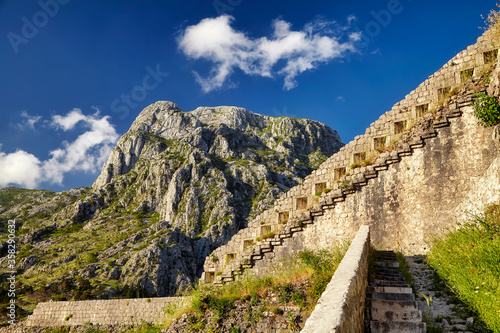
pixel 407 168
pixel 101 312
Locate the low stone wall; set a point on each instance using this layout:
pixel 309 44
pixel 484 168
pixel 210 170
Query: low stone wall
pixel 101 312
pixel 341 307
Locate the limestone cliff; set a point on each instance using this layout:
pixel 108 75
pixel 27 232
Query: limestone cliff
pixel 177 185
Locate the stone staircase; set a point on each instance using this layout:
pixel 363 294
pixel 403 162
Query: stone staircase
pixel 390 302
pixel 358 179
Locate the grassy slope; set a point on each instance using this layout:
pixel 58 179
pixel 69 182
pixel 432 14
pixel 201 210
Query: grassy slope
pixel 210 307
pixel 469 260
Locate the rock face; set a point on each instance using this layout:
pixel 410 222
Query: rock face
pixel 177 185
pixel 206 172
pixel 178 164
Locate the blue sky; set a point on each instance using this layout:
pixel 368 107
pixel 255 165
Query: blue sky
pixel 74 74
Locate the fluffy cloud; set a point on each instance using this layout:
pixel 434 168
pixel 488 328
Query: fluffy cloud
pixel 19 168
pixel 69 121
pixel 28 121
pixel 86 153
pixel 214 39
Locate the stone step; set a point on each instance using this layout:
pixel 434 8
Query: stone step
pixel 414 316
pixel 386 255
pixel 397 327
pixel 403 153
pixel 381 167
pixel 392 160
pixel 396 278
pixel 429 135
pixel 393 296
pixel 329 206
pixel 386 260
pixel 417 143
pixel 393 264
pixel 339 199
pixel 387 305
pixel 385 252
pixel 441 123
pixel 455 114
pixel 391 271
pixel 401 290
pixel 387 283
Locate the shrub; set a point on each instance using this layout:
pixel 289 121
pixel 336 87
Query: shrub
pixel 493 24
pixel 59 298
pixel 486 109
pixel 324 264
pixel 268 235
pixel 91 257
pixel 277 310
pixel 298 298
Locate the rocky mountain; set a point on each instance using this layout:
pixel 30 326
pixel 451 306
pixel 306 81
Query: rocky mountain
pixel 177 185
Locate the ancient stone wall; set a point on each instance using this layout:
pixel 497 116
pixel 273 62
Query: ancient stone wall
pixel 420 160
pixel 340 308
pixel 101 312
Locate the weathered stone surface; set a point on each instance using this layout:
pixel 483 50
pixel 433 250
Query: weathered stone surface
pixel 101 312
pixel 341 307
pixel 440 167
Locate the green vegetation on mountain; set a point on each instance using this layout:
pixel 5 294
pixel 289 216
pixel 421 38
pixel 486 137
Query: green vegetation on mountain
pixel 177 185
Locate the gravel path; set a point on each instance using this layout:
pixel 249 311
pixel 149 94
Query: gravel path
pixel 442 311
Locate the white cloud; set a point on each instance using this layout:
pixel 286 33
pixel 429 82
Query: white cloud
pixel 86 153
pixel 69 121
pixel 214 39
pixel 340 99
pixel 355 36
pixel 28 121
pixel 19 168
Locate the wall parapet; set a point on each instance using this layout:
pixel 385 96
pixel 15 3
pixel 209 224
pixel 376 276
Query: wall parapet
pixel 100 312
pixel 341 307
